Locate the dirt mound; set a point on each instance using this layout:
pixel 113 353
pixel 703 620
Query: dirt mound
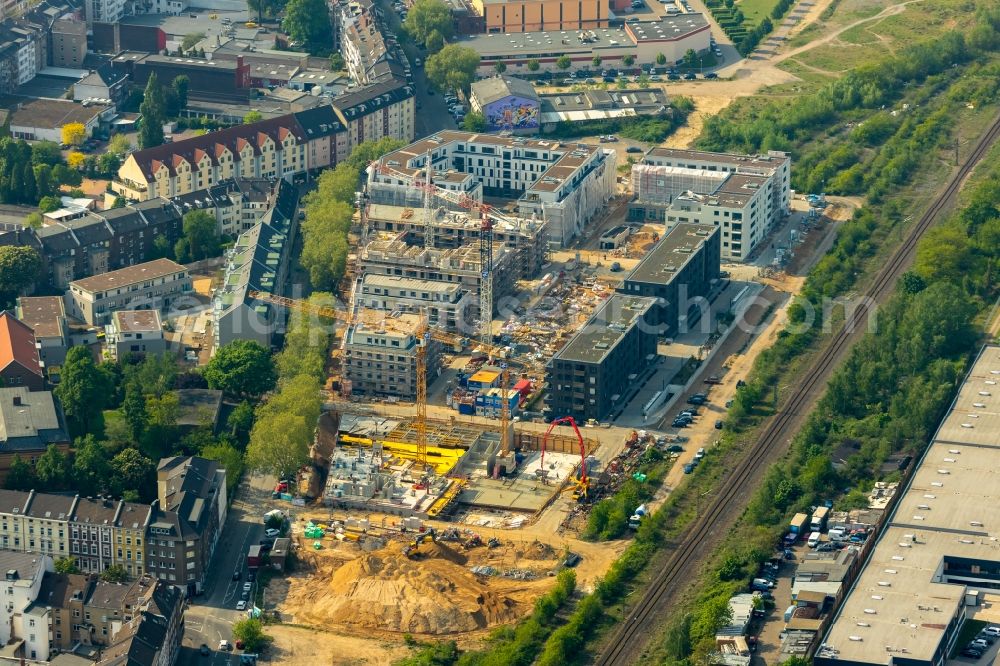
pixel 536 550
pixel 432 593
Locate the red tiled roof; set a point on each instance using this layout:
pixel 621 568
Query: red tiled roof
pixel 17 343
pixel 190 150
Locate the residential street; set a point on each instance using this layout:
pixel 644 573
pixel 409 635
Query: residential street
pixel 210 616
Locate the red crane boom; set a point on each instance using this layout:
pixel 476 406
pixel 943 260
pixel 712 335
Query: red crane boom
pixel 579 437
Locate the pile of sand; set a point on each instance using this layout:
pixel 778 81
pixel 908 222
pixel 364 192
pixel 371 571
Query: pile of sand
pixel 432 594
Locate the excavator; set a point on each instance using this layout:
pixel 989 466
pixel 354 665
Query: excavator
pixel 580 485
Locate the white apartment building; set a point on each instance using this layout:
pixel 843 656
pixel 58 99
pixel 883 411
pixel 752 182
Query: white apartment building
pixel 104 11
pixel 565 184
pixel 152 285
pixel 745 196
pixel 380 354
pixel 22 579
pixel 446 304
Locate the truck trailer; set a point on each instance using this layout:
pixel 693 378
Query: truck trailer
pixel 254 557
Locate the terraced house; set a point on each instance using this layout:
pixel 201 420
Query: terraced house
pixel 273 148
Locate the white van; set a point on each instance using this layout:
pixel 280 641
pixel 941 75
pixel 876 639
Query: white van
pixel 814 539
pixel 837 534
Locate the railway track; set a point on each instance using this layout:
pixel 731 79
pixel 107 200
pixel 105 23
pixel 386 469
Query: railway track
pixel 728 503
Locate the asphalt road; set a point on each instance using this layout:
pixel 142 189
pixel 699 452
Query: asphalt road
pixel 210 616
pixel 432 112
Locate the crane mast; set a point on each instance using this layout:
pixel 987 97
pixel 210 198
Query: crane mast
pixel 428 194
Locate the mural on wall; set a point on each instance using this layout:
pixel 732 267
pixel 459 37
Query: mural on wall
pixel 512 113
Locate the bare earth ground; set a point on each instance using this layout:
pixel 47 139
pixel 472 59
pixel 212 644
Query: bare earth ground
pixel 301 645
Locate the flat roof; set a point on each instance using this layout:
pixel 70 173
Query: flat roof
pixel 150 270
pixel 605 328
pixel 44 314
pixel 772 160
pixel 564 158
pixel 53 113
pixel 400 282
pixel 136 321
pixel 381 322
pixel 669 256
pixel 665 29
pixel 901 605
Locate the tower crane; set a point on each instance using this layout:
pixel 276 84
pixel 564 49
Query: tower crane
pixel 582 486
pixel 489 217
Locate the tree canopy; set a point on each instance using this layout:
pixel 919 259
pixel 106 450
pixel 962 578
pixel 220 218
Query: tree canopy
pixel 201 236
pixel 427 17
pixel 153 111
pixel 19 269
pixel 308 21
pixel 243 368
pixel 452 68
pixel 83 389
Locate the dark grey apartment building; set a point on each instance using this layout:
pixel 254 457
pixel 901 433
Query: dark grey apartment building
pixel 679 273
pixel 591 376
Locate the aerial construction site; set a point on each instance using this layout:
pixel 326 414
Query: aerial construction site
pixel 506 353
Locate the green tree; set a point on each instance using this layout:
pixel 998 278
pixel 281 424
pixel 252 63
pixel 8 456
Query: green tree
pixel 180 86
pixel 661 59
pixel 120 144
pixel 153 111
pixel 564 62
pixel 21 475
pixel 82 390
pixel 533 65
pixel 453 67
pixel 266 7
pixel 426 17
pixel 132 472
pixel 202 234
pixel 66 565
pixel 231 460
pixel 474 122
pixel 628 60
pixel 251 632
pixel 243 368
pixel 20 267
pixel 161 429
pixel 160 248
pixel 240 421
pixel 435 42
pixel 91 469
pixel 52 470
pixel 690 58
pixel 283 431
pixel 46 152
pixel 34 220
pixel 596 61
pixel 337 63
pixel 30 192
pixel 308 21
pixel 254 116
pixel 43 179
pixel 499 68
pixel 49 204
pixel 191 39
pixel 115 573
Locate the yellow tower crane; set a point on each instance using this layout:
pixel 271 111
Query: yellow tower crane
pixel 424 335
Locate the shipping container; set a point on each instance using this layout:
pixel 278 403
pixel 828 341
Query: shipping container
pixel 799 523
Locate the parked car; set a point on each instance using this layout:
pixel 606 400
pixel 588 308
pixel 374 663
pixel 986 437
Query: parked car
pixel 204 650
pixel 711 75
pixel 675 448
pixel 719 424
pixel 225 646
pixel 634 149
pixel 247 587
pixel 690 76
pixel 980 643
pixel 572 559
pixel 236 575
pixel 673 77
pixel 700 454
pixel 241 604
pixel 688 468
pixel 680 423
pixel 992 630
pixel 272 533
pixel 697 399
